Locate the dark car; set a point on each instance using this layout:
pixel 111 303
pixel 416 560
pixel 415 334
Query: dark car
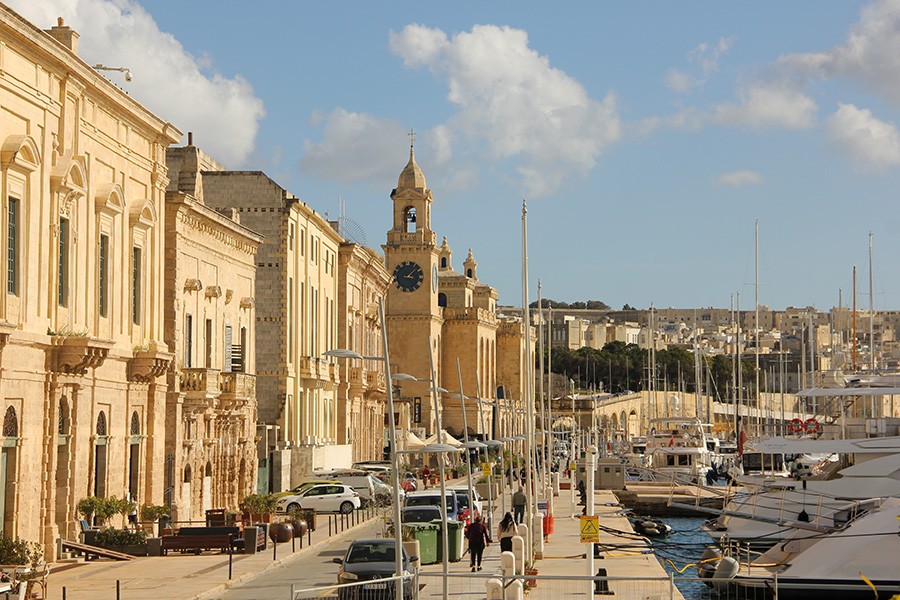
pixel 370 560
pixel 420 514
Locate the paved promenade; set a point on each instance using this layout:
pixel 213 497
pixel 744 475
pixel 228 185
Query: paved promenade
pixel 189 577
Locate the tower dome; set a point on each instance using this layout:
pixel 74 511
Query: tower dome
pixel 411 176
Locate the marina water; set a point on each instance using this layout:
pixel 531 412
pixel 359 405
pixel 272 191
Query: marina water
pixel 684 546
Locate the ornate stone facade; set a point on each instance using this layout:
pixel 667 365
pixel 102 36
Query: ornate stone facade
pixel 362 392
pixel 210 326
pixel 82 351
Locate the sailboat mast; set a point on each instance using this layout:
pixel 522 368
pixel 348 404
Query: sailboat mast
pixel 871 312
pixel 853 341
pixel 756 343
pixel 529 381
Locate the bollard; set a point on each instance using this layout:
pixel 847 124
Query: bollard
pixel 230 557
pixel 514 591
pixel 538 537
pixel 118 590
pixel 294 543
pixel 64 592
pixel 494 588
pixel 274 550
pixel 601 586
pixel 329 525
pixel 508 564
pixel 308 537
pixel 524 531
pixel 518 543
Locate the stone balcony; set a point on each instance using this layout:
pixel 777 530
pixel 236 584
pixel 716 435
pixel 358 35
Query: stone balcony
pixel 375 381
pixel 238 389
pixel 356 376
pixel 200 382
pixel 74 355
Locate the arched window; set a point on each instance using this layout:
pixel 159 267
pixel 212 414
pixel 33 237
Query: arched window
pixel 10 423
pixel 468 272
pixel 187 474
pixel 64 420
pixel 442 299
pixel 410 218
pixel 443 262
pixel 101 423
pixel 208 469
pixel 135 424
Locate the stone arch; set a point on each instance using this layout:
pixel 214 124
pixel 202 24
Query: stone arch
pixel 10 423
pixel 22 151
pixel 141 212
pixel 409 219
pixel 135 423
pixel 101 424
pixel 187 474
pixel 109 197
pixel 442 300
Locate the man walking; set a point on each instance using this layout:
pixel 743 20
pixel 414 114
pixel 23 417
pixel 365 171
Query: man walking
pixel 518 501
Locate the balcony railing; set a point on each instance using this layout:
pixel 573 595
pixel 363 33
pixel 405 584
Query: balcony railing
pixel 203 381
pixel 240 385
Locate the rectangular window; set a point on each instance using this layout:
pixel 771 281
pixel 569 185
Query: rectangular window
pixel 291 237
pixel 12 245
pixel 63 275
pixel 104 275
pixel 136 286
pixel 290 320
pixel 209 347
pixel 188 340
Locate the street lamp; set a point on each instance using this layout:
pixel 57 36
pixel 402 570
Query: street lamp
pixel 395 465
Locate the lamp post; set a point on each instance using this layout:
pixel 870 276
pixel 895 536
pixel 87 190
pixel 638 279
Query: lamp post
pixel 395 466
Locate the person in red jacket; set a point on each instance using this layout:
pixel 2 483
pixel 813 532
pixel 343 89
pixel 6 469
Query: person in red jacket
pixel 479 538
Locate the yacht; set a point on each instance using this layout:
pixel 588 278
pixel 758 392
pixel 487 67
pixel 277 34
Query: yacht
pixel 677 448
pixel 859 561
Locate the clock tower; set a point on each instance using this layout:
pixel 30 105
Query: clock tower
pixel 412 312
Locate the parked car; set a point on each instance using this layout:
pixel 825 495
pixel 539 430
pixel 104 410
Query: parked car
pixel 420 514
pixel 329 497
pixel 305 485
pixel 371 489
pixel 462 498
pixel 373 560
pixel 433 498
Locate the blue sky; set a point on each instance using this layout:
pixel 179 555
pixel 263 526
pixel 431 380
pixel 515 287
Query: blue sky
pixel 646 137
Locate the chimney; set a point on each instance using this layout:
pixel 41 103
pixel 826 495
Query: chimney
pixel 190 138
pixel 65 35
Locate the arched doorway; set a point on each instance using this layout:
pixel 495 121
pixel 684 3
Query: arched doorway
pixel 8 471
pixel 187 501
pixel 207 487
pixel 134 457
pixel 100 456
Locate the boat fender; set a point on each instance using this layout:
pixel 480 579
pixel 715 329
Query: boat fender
pixel 726 569
pixel 707 565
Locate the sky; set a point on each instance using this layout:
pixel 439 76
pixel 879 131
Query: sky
pixel 646 138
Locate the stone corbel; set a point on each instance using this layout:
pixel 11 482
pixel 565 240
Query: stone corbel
pixel 192 285
pixel 213 291
pixel 229 294
pixel 247 302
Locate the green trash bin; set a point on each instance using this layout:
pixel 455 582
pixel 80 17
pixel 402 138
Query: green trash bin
pixel 455 540
pixel 429 544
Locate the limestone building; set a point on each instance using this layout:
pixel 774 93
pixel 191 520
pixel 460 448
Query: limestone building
pixel 363 282
pixel 210 325
pixel 434 310
pixel 296 322
pixel 83 359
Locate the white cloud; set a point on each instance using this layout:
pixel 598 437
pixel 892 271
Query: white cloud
pixel 739 179
pixel 769 105
pixel 706 57
pixel 871 53
pixel 870 143
pixel 512 104
pixel 223 112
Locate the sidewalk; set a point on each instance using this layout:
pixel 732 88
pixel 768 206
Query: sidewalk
pixel 182 576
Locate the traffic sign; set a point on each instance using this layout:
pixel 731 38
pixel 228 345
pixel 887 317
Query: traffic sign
pixel 486 469
pixel 589 529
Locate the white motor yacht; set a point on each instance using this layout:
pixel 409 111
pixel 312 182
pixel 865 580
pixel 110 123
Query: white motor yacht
pixel 677 448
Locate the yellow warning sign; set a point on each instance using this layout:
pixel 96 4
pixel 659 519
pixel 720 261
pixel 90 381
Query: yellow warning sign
pixel 590 529
pixel 486 469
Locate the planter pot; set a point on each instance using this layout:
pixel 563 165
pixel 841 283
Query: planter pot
pixel 133 550
pixel 530 583
pixel 281 532
pixel 300 527
pixel 256 518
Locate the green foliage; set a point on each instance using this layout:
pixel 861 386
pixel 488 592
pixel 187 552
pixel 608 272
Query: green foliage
pixel 113 538
pixel 589 305
pixel 259 504
pixel 104 508
pixel 14 551
pixel 152 512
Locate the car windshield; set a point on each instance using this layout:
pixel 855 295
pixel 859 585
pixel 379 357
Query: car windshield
pixel 367 553
pixel 429 501
pixel 424 514
pixel 462 500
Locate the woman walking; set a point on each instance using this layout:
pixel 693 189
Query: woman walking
pixel 479 537
pixel 506 532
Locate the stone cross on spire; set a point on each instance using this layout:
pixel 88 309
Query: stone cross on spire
pixel 412 138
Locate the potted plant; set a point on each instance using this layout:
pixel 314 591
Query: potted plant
pixel 410 544
pixel 122 540
pixel 29 555
pixel 154 513
pixel 259 507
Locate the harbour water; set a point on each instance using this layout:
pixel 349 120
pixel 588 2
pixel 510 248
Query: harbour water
pixel 683 547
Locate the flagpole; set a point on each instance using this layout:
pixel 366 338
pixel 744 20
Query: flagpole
pixel 529 395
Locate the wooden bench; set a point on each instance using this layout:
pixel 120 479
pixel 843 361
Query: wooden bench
pixel 198 542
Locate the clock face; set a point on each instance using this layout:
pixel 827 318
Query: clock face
pixel 434 279
pixel 408 276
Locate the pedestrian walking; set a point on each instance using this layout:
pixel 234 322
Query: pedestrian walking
pixel 506 531
pixel 479 538
pixel 425 475
pixel 518 501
